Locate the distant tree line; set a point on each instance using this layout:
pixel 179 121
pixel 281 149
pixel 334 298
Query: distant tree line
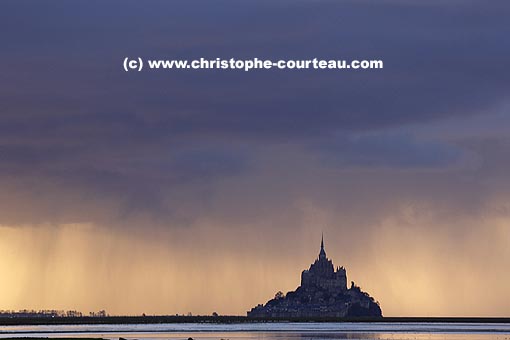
pixel 48 313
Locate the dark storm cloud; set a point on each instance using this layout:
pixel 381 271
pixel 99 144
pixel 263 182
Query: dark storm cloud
pixel 390 150
pixel 73 121
pixel 441 59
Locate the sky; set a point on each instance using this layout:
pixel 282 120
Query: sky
pixel 207 191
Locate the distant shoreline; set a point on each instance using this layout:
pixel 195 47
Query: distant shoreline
pixel 13 321
pixel 43 338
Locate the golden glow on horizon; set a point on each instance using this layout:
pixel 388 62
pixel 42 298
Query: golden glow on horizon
pixel 409 270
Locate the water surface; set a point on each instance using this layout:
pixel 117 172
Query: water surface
pixel 270 331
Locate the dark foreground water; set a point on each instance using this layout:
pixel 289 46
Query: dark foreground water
pixel 270 331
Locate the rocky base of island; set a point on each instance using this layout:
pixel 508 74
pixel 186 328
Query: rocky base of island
pixel 317 302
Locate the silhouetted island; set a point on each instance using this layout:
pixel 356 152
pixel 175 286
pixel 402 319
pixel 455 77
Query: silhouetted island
pixel 323 293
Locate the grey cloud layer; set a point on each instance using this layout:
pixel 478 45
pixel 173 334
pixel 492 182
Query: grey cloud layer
pixel 74 126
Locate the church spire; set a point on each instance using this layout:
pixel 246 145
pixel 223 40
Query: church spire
pixel 322 254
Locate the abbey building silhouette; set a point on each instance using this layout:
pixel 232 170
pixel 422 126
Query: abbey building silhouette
pixel 323 293
pixel 322 274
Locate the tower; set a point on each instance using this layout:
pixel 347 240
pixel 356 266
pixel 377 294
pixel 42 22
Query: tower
pixel 322 254
pixel 322 274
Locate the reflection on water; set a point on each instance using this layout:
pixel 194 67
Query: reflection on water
pixel 270 331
